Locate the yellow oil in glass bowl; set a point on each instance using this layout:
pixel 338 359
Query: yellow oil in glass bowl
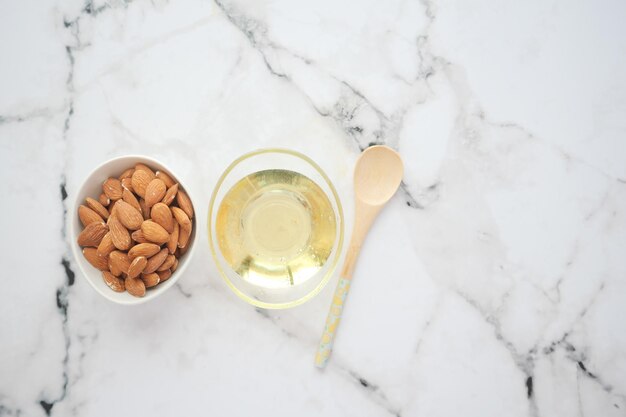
pixel 276 228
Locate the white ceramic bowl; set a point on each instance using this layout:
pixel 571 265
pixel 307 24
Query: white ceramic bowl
pixel 92 187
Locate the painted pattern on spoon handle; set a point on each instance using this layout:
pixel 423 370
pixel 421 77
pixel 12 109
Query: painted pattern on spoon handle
pixel 332 321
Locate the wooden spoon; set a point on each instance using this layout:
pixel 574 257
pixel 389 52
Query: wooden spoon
pixel 377 175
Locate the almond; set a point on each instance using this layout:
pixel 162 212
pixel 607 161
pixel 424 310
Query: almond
pixel 173 242
pixel 112 187
pixel 161 214
pixel 183 238
pixel 126 174
pixel 155 262
pixel 145 210
pixel 184 203
pixel 138 237
pixel 150 280
pixel 129 197
pixel 97 261
pixel 146 168
pixel 104 200
pixel 137 266
pixel 154 232
pixel 106 245
pixel 135 286
pixel 164 275
pixel 115 283
pixel 143 249
pixel 128 215
pixel 119 234
pixel 118 263
pixel 87 215
pixel 169 261
pixel 165 178
pixel 112 210
pixel 140 181
pixel 173 268
pixel 181 218
pixel 155 191
pixel 182 250
pixel 127 184
pixel 93 234
pixel 170 194
pixel 97 207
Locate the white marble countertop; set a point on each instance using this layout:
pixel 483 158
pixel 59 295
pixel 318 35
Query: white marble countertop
pixel 493 284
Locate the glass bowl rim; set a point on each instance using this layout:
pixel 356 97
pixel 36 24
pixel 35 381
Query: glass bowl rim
pixel 335 260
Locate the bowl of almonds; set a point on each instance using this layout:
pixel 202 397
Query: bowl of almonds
pixel 133 228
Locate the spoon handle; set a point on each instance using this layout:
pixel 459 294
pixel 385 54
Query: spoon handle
pixel 365 215
pixel 332 321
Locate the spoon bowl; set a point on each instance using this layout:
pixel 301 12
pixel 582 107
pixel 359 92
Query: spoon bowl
pixel 377 175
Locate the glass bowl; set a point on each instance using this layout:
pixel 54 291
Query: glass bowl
pixel 272 168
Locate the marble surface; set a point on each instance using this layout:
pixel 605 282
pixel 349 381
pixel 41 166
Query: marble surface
pixel 494 284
